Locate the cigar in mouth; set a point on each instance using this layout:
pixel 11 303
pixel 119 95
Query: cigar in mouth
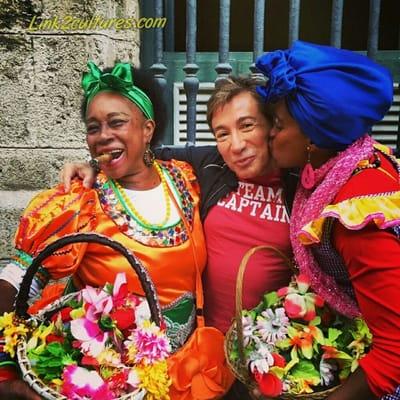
pixel 104 158
pixel 95 162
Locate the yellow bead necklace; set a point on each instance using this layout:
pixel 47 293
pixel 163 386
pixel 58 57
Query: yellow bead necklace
pixel 136 213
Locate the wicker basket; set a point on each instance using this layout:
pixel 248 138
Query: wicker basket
pixel 235 334
pixel 28 373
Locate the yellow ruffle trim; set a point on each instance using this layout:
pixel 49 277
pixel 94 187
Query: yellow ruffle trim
pixel 355 213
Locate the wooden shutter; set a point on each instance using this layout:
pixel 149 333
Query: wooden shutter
pixel 385 131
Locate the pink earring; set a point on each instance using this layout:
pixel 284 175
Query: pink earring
pixel 308 173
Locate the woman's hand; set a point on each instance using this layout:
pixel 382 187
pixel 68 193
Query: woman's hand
pixel 17 389
pixel 77 170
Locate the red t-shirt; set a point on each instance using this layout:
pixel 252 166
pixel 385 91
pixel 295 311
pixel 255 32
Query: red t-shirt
pixel 254 214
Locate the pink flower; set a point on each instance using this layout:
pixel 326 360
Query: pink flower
pixel 299 303
pixel 90 335
pixel 97 302
pixel 120 290
pixel 79 383
pixel 150 344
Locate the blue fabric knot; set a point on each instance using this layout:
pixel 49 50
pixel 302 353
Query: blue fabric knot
pixel 335 95
pixel 282 77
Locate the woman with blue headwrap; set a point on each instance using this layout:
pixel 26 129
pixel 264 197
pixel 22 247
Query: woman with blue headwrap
pixel 345 224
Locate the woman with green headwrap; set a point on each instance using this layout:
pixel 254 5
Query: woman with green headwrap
pixel 150 207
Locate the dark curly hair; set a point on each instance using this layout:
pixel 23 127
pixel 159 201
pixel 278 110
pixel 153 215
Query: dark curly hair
pixel 145 81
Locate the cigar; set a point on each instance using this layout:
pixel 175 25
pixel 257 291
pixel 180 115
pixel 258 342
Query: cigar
pixel 104 158
pixel 95 162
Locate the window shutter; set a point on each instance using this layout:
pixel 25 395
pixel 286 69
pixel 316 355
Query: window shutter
pixel 203 133
pixel 384 132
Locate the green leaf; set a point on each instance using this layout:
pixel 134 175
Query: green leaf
pixel 306 370
pixel 271 299
pixel 333 334
pixel 316 321
pixel 106 323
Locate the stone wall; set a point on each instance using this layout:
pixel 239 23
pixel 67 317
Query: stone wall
pixel 42 56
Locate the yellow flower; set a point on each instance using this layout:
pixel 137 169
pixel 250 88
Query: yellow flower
pixel 109 357
pixel 6 320
pixel 38 338
pixel 78 313
pixel 131 352
pixel 11 335
pixel 155 380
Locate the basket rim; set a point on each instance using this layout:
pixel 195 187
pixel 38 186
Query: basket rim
pixel 29 375
pixel 240 372
pixel 239 368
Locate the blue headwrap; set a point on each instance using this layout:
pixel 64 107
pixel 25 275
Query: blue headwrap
pixel 335 95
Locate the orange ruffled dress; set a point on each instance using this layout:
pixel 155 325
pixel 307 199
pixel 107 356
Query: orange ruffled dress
pixel 168 253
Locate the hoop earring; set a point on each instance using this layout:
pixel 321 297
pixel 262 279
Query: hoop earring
pixel 148 156
pixel 308 174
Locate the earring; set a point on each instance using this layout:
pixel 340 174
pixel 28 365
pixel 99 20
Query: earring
pixel 148 156
pixel 308 173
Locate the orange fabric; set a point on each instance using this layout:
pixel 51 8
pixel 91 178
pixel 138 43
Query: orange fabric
pixel 53 214
pixel 49 294
pixel 199 370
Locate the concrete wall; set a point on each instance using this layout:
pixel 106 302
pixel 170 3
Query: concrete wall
pixel 40 71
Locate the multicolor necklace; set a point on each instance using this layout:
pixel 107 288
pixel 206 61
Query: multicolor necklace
pixel 132 210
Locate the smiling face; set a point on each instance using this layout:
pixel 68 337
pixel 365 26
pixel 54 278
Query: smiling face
pixel 115 125
pixel 288 145
pixel 241 131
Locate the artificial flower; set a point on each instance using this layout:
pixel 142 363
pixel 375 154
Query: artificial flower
pixel 150 344
pixel 272 325
pixel 80 383
pixel 299 302
pixel 91 337
pixel 155 381
pixel 294 343
pixel 101 345
pixel 269 384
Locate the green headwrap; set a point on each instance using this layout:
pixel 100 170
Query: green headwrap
pixel 118 80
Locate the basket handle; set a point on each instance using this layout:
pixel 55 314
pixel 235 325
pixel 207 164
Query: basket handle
pixel 239 290
pixel 21 303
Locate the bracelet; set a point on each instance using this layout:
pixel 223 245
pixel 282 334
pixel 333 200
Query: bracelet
pixel 8 363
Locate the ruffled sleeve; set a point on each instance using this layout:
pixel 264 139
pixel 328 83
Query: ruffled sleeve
pixel 369 197
pixel 49 216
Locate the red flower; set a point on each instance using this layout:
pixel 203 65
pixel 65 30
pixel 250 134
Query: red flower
pixel 269 384
pixel 279 361
pixel 89 360
pixel 54 338
pixel 65 314
pixel 118 382
pixel 124 318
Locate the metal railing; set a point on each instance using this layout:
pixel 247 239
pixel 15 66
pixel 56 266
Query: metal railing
pixel 223 67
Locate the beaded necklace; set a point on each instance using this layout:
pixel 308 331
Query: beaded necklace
pixel 135 213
